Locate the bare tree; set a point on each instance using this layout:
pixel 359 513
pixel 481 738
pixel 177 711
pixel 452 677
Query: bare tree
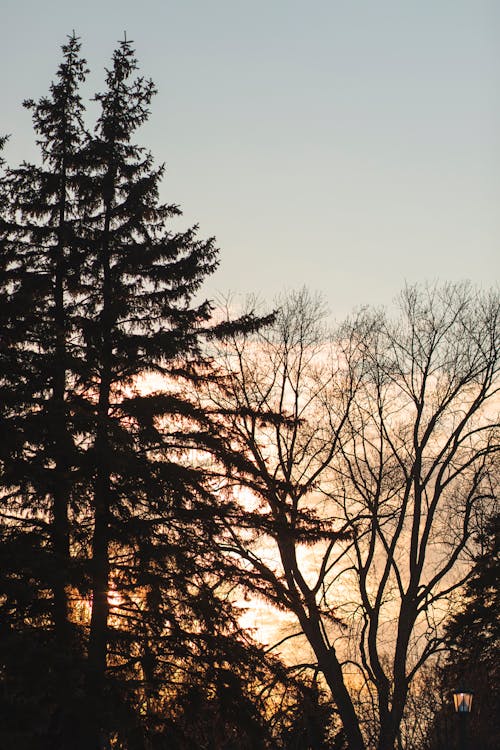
pixel 370 456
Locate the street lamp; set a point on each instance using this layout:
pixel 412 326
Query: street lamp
pixel 462 700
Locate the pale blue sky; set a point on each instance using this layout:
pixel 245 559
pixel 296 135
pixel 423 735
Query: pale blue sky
pixel 348 146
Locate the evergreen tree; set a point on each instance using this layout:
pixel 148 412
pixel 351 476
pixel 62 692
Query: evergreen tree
pixel 39 281
pixel 113 592
pixel 136 319
pixel 473 637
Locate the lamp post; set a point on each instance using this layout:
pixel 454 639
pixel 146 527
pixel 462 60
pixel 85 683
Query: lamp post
pixel 462 701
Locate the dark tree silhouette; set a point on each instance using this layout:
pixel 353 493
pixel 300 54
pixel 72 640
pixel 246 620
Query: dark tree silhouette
pixel 114 596
pixel 369 458
pixel 136 320
pixel 473 638
pixel 38 284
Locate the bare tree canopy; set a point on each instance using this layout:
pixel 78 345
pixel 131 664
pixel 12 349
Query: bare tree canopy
pixel 371 455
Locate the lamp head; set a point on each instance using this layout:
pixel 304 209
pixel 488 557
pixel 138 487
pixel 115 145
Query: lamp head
pixel 462 700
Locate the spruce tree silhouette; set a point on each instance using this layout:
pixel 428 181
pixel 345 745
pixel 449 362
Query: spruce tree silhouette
pixel 107 505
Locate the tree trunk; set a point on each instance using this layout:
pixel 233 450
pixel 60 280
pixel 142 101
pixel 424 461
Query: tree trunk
pixel 388 734
pixel 98 637
pixel 60 527
pixel 332 671
pixel 391 721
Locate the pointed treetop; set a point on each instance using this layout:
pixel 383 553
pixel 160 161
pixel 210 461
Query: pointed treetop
pixel 125 41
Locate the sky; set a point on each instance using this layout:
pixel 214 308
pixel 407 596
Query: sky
pixel 351 146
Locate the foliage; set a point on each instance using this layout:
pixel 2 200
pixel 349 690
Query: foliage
pixel 115 599
pixel 370 457
pixel 130 424
pixel 473 639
